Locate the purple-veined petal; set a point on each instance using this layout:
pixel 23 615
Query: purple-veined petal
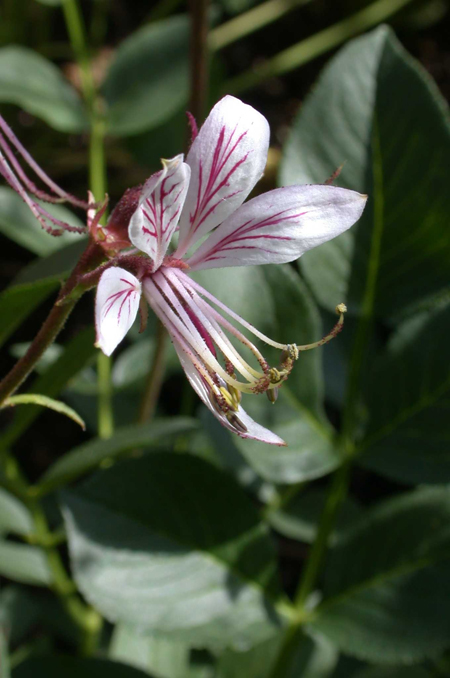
pixel 156 218
pixel 280 226
pixel 227 158
pixel 254 431
pixel 116 307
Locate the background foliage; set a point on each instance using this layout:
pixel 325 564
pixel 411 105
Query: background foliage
pixel 169 548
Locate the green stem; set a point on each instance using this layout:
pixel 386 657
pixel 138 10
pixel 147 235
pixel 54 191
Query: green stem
pixel 318 44
pixel 199 57
pixel 313 568
pixel 97 182
pixel 155 377
pixel 251 21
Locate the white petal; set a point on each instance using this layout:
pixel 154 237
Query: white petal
pixel 116 307
pixel 227 158
pixel 254 431
pixel 155 220
pixel 280 226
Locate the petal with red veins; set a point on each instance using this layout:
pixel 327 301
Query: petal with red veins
pixel 227 158
pixel 116 307
pixel 280 226
pixel 249 428
pixel 156 218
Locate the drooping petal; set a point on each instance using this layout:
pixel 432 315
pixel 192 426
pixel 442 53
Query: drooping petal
pixel 116 307
pixel 156 218
pixel 227 158
pixel 280 226
pixel 244 425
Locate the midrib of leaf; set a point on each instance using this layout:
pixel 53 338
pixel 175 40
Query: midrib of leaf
pixel 427 400
pixel 365 320
pixel 281 604
pixel 382 578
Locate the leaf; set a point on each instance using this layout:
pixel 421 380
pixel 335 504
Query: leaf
pixel 86 457
pixel 274 300
pixel 18 611
pixel 352 117
pixel 55 266
pixel 45 401
pixel 4 656
pixel 394 672
pixel 32 82
pixel 298 518
pixel 164 657
pixel 387 582
pixel 168 543
pixel 14 516
pixel 24 563
pixel 149 78
pixel 16 304
pixel 79 351
pixel 408 430
pixel 73 667
pixel 18 224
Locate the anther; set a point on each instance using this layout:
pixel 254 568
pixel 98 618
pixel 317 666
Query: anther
pixel 272 395
pixel 236 422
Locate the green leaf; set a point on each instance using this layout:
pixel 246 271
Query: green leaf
pixel 77 354
pixel 44 401
pixel 50 3
pixel 4 655
pixel 298 517
pixel 72 667
pixel 55 266
pixel 18 611
pixel 16 304
pixel 275 301
pixel 352 117
pixel 36 85
pixel 24 563
pixel 14 516
pixel 408 399
pixel 86 457
pixel 149 78
pixel 18 224
pixel 163 657
pixel 387 583
pixel 170 544
pixel 394 672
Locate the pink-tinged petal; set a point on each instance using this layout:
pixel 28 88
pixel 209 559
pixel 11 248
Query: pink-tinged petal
pixel 227 158
pixel 254 431
pixel 116 307
pixel 280 226
pixel 156 218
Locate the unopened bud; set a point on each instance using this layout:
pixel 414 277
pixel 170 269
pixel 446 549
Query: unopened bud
pixel 117 226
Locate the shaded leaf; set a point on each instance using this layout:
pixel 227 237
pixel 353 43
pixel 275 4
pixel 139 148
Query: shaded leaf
pixel 86 457
pixel 394 672
pixel 18 224
pixel 32 82
pixel 387 582
pixel 17 302
pixel 44 401
pixel 151 66
pixel 15 518
pixel 24 563
pixel 18 611
pixel 353 117
pixel 73 667
pixel 77 353
pixel 169 543
pixel 408 401
pixel 56 266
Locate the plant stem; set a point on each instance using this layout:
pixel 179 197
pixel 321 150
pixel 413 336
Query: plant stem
pixel 199 57
pixel 251 21
pixel 97 182
pixel 318 44
pixel 155 377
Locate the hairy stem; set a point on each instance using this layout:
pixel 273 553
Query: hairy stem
pixel 318 44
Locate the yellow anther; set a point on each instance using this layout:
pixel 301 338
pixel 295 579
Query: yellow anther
pixel 230 401
pixel 341 308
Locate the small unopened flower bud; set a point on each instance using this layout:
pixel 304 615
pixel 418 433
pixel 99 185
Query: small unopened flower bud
pixel 116 229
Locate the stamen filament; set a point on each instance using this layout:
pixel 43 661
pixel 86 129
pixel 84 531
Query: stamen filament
pixel 340 309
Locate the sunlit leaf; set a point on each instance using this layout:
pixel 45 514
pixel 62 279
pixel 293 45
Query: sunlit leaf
pixel 24 563
pixel 15 518
pixel 44 401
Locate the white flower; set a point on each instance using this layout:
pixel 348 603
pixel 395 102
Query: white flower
pixel 205 195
